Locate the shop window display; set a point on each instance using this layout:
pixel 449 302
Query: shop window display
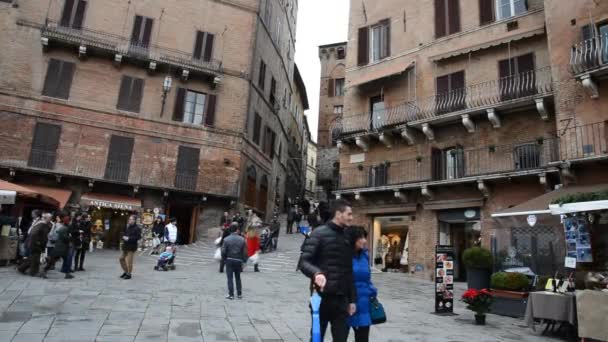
pixel 391 244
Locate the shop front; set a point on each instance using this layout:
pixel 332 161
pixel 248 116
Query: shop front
pixel 461 229
pixel 109 215
pixel 391 243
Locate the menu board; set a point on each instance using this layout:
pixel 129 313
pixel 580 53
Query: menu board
pixel 578 239
pixel 444 279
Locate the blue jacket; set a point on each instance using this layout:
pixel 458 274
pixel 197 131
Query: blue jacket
pixel 365 290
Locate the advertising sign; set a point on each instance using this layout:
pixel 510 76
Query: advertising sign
pixel 444 279
pixel 578 239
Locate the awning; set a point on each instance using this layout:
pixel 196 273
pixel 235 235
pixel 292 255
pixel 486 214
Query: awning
pixel 62 196
pixel 577 207
pixel 110 201
pixel 25 191
pixel 487 45
pixel 375 72
pixel 454 204
pixel 541 204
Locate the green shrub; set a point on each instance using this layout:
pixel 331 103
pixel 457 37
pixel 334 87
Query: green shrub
pixel 509 281
pixel 477 257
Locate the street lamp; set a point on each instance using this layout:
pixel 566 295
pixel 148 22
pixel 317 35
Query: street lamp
pixel 166 89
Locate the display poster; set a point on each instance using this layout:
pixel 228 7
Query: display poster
pixel 444 279
pixel 578 239
pixel 147 219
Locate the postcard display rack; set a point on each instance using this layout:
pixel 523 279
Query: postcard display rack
pixel 444 279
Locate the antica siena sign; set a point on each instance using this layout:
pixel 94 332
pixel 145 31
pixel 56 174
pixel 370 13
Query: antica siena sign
pixel 111 205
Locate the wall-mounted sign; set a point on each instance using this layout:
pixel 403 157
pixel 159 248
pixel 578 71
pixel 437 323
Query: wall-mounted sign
pixel 470 213
pixel 531 220
pixel 357 158
pixel 7 197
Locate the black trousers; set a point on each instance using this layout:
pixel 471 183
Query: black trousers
pixel 79 256
pixel 361 334
pixel 334 311
pixel 289 229
pixel 233 270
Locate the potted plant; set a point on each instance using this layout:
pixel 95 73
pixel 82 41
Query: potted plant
pixel 492 148
pixel 478 301
pixel 510 292
pixel 478 262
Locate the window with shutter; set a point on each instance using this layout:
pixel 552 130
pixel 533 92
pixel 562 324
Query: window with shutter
pixel 509 8
pixel 453 16
pixel 186 173
pixel 250 186
pixel 380 40
pixel 263 195
pixel 141 34
pixel 486 12
pixel 451 93
pixel 440 18
pixel 273 90
pixel 73 14
pixel 363 46
pixel 203 46
pixel 58 80
pixel 257 126
pixel 130 94
pixel 339 87
pixel 517 77
pixel 44 146
pixel 118 164
pixel 262 75
pixel 330 87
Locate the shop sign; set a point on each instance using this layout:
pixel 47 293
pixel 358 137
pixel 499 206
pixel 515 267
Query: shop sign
pixel 111 205
pixel 470 214
pixel 444 279
pixel 532 220
pixel 148 218
pixel 7 197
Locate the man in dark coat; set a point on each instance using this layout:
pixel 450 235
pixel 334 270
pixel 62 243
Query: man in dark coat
pixel 234 254
pixel 130 238
pixel 84 238
pixel 36 244
pixel 60 235
pixel 291 217
pixel 327 260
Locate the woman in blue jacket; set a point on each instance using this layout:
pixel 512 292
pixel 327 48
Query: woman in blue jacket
pixel 361 320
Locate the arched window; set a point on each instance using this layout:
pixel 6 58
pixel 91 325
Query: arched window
pixel 250 187
pixel 263 195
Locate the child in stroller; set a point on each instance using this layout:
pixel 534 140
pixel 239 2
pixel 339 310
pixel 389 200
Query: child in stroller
pixel 166 259
pixel 266 240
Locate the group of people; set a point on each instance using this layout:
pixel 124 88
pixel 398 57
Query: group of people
pixel 335 258
pixel 58 236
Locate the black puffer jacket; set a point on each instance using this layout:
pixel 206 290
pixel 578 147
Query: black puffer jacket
pixel 328 251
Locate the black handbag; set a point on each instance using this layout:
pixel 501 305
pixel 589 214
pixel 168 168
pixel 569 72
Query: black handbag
pixel 376 311
pixel 378 261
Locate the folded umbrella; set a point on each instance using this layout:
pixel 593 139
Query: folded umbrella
pixel 315 303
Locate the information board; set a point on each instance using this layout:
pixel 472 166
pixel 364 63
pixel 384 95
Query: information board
pixel 444 279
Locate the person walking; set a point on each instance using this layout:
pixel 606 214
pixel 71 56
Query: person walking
pixel 130 238
pixel 253 245
pixel 60 235
pixel 291 216
pixel 171 232
pixel 275 229
pixel 327 260
pixel 158 231
pixel 83 241
pixel 37 239
pixel 234 254
pixel 362 275
pixel 225 234
pixel 225 220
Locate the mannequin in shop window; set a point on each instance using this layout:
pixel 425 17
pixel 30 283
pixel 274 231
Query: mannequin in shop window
pixel 382 251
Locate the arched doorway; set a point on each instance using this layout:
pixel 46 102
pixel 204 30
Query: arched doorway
pixel 250 186
pixel 263 195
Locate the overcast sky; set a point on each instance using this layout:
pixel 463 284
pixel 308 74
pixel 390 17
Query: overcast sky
pixel 320 22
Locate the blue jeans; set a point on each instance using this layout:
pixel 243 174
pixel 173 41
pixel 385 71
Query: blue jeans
pixel 233 270
pixel 66 267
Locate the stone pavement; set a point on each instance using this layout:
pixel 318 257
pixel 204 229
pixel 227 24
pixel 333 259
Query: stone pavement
pixel 188 304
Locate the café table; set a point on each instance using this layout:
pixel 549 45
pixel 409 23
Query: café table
pixel 551 308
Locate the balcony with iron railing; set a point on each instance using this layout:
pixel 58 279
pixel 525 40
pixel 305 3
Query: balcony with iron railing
pixel 584 142
pixel 589 62
pixel 139 174
pixel 123 48
pixel 517 91
pixel 458 165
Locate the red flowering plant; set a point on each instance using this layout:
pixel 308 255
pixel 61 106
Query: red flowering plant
pixel 478 301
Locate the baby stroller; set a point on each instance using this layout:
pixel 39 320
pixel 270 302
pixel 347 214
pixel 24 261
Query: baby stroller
pixel 266 241
pixel 166 260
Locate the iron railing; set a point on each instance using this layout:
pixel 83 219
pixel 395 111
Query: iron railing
pixel 584 141
pixel 589 54
pixel 488 94
pixel 117 44
pixel 445 165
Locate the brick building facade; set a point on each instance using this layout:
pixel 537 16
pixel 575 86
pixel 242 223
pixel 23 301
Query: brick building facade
pixel 164 107
pixel 457 109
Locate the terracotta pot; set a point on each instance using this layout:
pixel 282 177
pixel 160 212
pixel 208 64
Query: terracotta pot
pixel 480 319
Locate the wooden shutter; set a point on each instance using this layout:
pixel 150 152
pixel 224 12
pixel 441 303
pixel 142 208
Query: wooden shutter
pixel 454 16
pixel 504 68
pixel 118 164
pixel 331 90
pixel 443 85
pixel 210 110
pixel 457 80
pixel 136 94
pixel 145 41
pixel 458 90
pixel 52 77
pixel 66 15
pixel 386 46
pixel 65 80
pixel 460 167
pixel 123 94
pixel 79 17
pixel 525 63
pixel 257 126
pixel 440 18
pixel 208 49
pixel 136 29
pixel 437 164
pixel 178 109
pixel 363 46
pixel 262 75
pixel 588 32
pixel 486 12
pixel 505 71
pixel 527 76
pixel 198 45
pixel 44 146
pixel 272 142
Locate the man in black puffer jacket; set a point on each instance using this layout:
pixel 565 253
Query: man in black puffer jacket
pixel 327 260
